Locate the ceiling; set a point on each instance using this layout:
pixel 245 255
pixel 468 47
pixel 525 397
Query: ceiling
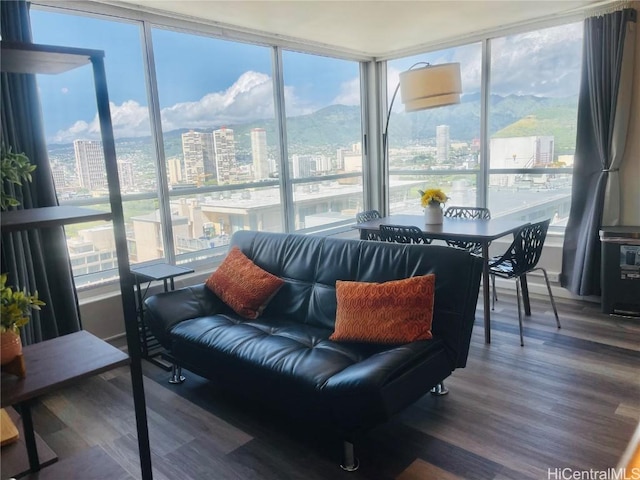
pixel 372 28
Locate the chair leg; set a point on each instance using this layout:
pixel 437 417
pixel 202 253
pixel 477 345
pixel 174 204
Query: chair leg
pixel 493 286
pixel 494 294
pixel 553 303
pixel 519 311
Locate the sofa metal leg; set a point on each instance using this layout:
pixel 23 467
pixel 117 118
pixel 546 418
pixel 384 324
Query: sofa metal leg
pixel 176 374
pixel 349 461
pixel 439 390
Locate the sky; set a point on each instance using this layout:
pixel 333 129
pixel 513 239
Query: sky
pixel 204 81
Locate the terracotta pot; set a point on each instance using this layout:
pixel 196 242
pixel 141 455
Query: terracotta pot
pixel 10 346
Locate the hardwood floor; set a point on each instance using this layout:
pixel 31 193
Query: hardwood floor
pixel 569 398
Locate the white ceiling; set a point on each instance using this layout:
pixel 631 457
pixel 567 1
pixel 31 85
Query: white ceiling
pixel 372 28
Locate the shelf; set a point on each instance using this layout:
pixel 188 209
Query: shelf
pixel 88 355
pixel 49 217
pixel 55 363
pixel 47 59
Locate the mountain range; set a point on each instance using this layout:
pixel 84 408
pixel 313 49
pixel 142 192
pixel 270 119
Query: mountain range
pixel 338 126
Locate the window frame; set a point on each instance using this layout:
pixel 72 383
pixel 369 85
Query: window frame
pixel 373 105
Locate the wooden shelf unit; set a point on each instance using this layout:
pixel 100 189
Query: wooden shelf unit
pixel 48 59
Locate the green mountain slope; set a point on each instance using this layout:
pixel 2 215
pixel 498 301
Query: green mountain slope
pixel 338 126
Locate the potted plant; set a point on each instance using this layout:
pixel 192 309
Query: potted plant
pixel 14 313
pixel 432 201
pixel 16 168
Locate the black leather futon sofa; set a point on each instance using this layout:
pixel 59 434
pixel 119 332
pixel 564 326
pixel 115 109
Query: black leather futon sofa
pixel 285 358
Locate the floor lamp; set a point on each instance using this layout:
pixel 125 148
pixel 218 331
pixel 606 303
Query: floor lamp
pixel 421 87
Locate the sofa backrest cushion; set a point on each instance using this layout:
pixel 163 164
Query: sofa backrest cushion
pixel 311 265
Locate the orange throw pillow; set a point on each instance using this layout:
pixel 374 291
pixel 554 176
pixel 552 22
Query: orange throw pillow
pixel 243 285
pixel 399 311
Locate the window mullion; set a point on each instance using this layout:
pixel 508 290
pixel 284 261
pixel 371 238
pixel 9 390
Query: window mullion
pixel 166 228
pixel 482 183
pixel 286 188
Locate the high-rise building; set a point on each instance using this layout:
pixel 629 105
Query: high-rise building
pixel 174 170
pixel 519 152
pixel 304 166
pixel 125 174
pixel 59 177
pixel 225 153
pixel 90 164
pixel 259 153
pixel 199 157
pixel 443 143
pixel 350 160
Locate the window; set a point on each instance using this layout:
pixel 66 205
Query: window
pixel 436 148
pixel 73 133
pixel 218 169
pixel 535 77
pixel 324 139
pixel 220 142
pixel 224 166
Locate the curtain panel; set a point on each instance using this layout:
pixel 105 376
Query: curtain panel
pixel 34 259
pixel 603 118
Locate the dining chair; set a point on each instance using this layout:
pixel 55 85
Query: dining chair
pixel 403 234
pixel 522 257
pixel 469 213
pixel 365 217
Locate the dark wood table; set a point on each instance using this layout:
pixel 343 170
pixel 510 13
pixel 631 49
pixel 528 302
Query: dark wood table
pixel 477 231
pixel 54 364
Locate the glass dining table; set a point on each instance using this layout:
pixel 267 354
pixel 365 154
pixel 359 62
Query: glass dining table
pixel 476 231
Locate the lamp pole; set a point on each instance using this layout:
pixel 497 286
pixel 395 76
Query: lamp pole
pixel 426 87
pixel 385 140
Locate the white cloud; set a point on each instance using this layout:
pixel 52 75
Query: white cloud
pixel 543 62
pixel 250 98
pixel 349 93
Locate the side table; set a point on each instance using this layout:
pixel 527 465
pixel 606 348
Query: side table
pixel 150 347
pixel 51 365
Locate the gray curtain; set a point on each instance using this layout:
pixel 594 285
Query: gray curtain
pixel 34 259
pixel 602 126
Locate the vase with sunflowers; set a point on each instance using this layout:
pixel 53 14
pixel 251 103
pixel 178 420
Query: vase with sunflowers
pixel 432 200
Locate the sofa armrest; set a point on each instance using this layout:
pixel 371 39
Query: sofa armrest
pixel 164 310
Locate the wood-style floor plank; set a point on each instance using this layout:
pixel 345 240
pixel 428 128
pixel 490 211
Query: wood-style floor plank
pixel 570 398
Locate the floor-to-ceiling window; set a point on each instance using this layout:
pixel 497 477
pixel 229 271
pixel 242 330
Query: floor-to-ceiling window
pixel 220 143
pixel 73 135
pixel 535 78
pixel 324 140
pixel 532 87
pixel 262 137
pixel 219 166
pixel 436 148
